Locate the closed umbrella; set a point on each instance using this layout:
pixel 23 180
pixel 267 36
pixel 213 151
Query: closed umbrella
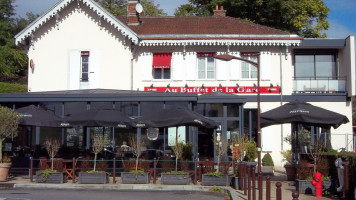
pixel 302 112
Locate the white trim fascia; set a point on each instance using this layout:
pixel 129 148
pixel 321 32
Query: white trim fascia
pixel 212 36
pixel 126 31
pixel 217 42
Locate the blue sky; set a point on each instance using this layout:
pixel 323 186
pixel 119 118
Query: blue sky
pixel 342 16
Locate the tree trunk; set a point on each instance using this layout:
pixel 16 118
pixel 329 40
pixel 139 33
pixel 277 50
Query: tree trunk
pixel 1 149
pixel 95 156
pixel 176 164
pixel 136 163
pixel 217 170
pixel 52 157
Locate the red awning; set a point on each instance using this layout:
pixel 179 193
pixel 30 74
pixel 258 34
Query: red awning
pixel 162 60
pixel 205 54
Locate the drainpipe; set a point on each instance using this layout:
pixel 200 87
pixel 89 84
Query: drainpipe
pixel 133 53
pixel 280 85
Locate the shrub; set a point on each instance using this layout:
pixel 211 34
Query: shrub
pixel 267 160
pixel 251 151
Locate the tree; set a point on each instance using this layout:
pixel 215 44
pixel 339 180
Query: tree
pixel 119 7
pixel 136 147
pixel 98 146
pixel 52 147
pixel 9 122
pixel 307 18
pixel 178 151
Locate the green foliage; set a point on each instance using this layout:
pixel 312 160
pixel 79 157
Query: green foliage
pixel 324 178
pixel 46 173
pixel 288 156
pixel 251 151
pixel 216 189
pixel 119 7
pixel 176 172
pixel 303 17
pixel 12 87
pixel 9 122
pixel 216 174
pixel 267 160
pixel 187 151
pixel 5 159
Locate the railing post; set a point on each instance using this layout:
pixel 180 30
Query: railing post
pixel 268 188
pixel 114 170
pixel 241 176
pixel 245 179
pixel 278 191
pixel 295 195
pixel 346 179
pixel 249 182
pixel 195 171
pixel 154 170
pixel 253 183
pixel 31 169
pixel 73 170
pixel 260 185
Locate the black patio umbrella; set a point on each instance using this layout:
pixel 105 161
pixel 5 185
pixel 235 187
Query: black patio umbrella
pixel 302 112
pixel 34 116
pixel 174 116
pixel 99 117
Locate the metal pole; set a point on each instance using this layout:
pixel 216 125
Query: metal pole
pixel 73 170
pixel 154 170
pixel 114 170
pixel 279 191
pixel 268 188
pixel 31 169
pixel 253 183
pixel 249 182
pixel 259 129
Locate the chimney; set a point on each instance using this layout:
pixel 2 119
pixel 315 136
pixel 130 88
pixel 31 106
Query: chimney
pixel 133 18
pixel 219 13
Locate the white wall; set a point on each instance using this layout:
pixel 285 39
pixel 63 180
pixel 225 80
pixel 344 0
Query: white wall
pixel 78 31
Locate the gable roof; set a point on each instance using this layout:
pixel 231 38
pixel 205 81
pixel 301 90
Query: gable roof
pixel 52 12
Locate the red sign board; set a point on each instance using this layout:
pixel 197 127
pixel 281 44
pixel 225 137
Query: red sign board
pixel 205 90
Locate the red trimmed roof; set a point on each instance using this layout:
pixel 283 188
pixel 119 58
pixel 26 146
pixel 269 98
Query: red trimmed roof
pixel 203 25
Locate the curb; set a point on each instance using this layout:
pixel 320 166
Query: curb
pixel 125 187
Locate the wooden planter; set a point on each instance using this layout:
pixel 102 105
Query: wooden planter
pixel 53 177
pixel 222 180
pixel 133 178
pixel 93 178
pixel 306 187
pixel 291 172
pixel 175 179
pixel 4 171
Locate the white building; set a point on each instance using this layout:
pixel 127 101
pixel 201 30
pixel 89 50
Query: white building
pixel 81 55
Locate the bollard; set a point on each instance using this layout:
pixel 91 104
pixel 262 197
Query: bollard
pixel 245 179
pixel 278 191
pixel 260 185
pixel 249 181
pixel 295 195
pixel 268 188
pixel 253 184
pixel 114 171
pixel 346 179
pixel 195 171
pixel 31 169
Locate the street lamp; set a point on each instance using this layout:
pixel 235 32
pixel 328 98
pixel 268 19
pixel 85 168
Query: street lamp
pixel 256 64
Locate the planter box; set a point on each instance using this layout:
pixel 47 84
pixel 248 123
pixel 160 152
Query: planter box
pixel 222 180
pixel 291 172
pixel 175 179
pixel 267 171
pixel 93 178
pixel 306 187
pixel 54 177
pixel 132 178
pixel 235 183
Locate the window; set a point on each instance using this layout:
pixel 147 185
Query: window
pixel 162 65
pixel 206 66
pixel 315 64
pixel 249 71
pixel 84 66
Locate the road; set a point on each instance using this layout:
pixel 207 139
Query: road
pixel 52 194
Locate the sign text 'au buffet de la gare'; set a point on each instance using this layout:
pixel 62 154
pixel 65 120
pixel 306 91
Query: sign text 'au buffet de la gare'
pixel 209 89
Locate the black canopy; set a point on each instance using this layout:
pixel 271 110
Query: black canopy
pixel 99 117
pixel 174 116
pixel 302 112
pixel 34 116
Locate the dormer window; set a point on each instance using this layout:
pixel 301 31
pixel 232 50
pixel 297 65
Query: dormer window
pixel 162 65
pixel 206 66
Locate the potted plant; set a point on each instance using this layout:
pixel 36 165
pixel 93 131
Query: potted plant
pixel 176 177
pixel 9 122
pixel 238 148
pixel 251 154
pixel 136 175
pixel 218 178
pixel 267 165
pixel 51 175
pixel 290 165
pixel 94 176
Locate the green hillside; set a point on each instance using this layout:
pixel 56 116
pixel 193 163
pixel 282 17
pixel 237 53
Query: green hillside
pixel 12 87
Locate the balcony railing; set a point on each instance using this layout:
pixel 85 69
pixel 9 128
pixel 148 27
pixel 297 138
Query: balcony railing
pixel 319 84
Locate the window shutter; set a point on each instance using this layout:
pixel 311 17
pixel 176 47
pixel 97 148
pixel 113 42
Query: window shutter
pixel 265 64
pixel 74 70
pixel 177 66
pixel 190 66
pixel 146 66
pixel 235 69
pixel 221 69
pixel 94 69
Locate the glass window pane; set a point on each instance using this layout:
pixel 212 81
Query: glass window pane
pixel 167 73
pixel 232 110
pixel 150 107
pixel 85 67
pixel 201 67
pixel 211 64
pixel 211 75
pixel 157 73
pixel 201 75
pixel 85 58
pixel 214 110
pixel 85 77
pixel 304 65
pixel 325 66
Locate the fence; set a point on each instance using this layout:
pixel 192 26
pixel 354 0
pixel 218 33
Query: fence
pixel 194 170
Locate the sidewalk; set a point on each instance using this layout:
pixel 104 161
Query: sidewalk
pixel 279 176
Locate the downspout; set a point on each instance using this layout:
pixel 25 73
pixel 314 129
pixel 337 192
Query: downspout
pixel 133 53
pixel 281 96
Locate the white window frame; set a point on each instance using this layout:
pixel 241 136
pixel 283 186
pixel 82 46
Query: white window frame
pixel 162 74
pixel 250 68
pixel 206 68
pixel 81 66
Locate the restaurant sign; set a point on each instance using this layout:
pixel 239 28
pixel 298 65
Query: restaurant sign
pixel 209 89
